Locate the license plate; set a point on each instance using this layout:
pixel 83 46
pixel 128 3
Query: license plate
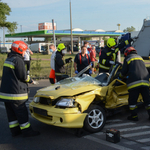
pixel 40 111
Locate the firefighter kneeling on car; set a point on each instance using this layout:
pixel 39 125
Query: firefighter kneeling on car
pixel 137 81
pixel 59 62
pixel 14 91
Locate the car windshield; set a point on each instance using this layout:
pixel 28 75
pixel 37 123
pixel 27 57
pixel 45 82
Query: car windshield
pixel 76 82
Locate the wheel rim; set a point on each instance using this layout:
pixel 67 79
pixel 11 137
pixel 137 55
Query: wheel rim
pixel 95 118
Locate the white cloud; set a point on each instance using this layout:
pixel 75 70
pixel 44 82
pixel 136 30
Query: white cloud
pixel 28 3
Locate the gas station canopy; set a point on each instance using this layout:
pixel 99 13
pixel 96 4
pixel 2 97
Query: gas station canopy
pixel 62 33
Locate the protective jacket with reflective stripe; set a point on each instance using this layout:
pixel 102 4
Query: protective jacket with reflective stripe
pixel 14 79
pixel 107 54
pixel 59 64
pixel 134 68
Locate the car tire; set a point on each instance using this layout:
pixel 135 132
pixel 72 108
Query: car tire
pixel 95 119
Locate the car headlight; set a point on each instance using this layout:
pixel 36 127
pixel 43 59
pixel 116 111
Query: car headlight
pixel 65 102
pixel 36 99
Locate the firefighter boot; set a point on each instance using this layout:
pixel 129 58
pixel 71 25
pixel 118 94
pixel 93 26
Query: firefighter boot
pixel 15 131
pixel 29 132
pixel 133 110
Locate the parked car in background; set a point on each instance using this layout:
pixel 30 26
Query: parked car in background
pixel 38 47
pixel 4 50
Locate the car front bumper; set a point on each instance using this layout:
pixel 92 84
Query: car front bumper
pixel 66 118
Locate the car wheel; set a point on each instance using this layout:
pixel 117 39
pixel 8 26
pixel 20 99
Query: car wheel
pixel 95 119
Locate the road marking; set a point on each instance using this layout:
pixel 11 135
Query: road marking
pixel 144 140
pixel 135 134
pixel 119 125
pixel 146 148
pixel 115 120
pixel 106 143
pixel 134 128
pixel 99 133
pixel 130 143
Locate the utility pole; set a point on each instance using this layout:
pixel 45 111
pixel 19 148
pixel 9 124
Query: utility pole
pixel 53 32
pixel 71 29
pixel 21 29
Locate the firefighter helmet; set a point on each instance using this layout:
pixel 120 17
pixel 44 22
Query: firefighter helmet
pixel 19 46
pixel 128 51
pixel 60 47
pixel 111 42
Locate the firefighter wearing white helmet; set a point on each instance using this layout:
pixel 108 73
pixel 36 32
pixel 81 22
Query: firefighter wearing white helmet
pixel 109 54
pixel 14 91
pixel 59 62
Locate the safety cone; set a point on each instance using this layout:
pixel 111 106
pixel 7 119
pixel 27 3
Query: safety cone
pixel 70 52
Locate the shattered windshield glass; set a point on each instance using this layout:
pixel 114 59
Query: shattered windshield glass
pixel 75 82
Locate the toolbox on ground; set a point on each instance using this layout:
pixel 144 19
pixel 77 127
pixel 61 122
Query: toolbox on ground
pixel 113 135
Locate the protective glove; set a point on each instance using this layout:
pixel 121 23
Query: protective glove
pixel 76 72
pixel 90 71
pixel 111 62
pixel 35 82
pixel 68 60
pixel 130 40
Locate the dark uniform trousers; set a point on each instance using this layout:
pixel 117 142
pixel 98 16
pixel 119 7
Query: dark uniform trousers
pixel 133 96
pixel 17 114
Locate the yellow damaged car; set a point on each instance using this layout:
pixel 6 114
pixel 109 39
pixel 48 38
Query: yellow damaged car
pixel 80 102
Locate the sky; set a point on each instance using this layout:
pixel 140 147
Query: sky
pixel 86 14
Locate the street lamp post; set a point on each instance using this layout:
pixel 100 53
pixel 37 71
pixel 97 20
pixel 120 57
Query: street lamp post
pixel 71 29
pixel 21 29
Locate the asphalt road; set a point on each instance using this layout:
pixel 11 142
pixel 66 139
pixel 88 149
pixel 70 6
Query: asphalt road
pixel 134 135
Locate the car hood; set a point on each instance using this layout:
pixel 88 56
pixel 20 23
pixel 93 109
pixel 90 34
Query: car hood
pixel 70 87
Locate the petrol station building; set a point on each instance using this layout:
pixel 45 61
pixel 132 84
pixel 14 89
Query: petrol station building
pixel 76 33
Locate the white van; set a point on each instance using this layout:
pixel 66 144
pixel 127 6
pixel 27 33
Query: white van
pixel 4 50
pixel 38 47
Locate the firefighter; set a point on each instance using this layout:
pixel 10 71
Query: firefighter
pixel 59 62
pixel 81 61
pixel 137 81
pixel 109 53
pixel 14 91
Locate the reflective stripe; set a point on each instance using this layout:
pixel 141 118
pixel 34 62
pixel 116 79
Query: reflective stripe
pixel 138 84
pixel 134 116
pixel 25 125
pixel 103 61
pixel 13 124
pixel 104 67
pixel 108 53
pixel 132 107
pixel 14 96
pixel 127 42
pixel 147 107
pixel 116 50
pixel 132 59
pixel 114 57
pixel 28 78
pixel 9 65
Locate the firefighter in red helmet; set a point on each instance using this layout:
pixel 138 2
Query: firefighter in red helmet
pixel 14 91
pixel 137 81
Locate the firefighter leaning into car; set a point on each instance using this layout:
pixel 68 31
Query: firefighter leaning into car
pixel 59 62
pixel 14 91
pixel 81 61
pixel 109 53
pixel 137 81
